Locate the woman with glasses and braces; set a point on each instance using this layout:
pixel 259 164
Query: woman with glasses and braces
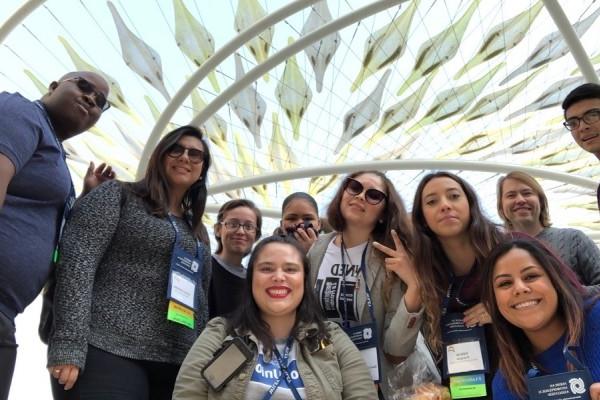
pixel 132 281
pixel 363 274
pixel 452 240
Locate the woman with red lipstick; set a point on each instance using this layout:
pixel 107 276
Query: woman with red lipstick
pixel 363 275
pixel 452 240
pixel 293 353
pixel 132 281
pixel 538 308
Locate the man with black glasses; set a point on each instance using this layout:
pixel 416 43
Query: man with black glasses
pixel 36 192
pixel 238 227
pixel 582 117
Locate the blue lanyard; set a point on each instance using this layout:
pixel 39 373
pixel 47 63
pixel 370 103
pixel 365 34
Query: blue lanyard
pixel 363 267
pixel 177 236
pixel 568 352
pixel 70 200
pixel 283 366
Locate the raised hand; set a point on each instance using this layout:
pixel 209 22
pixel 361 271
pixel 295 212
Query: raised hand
pixel 401 263
pixel 95 176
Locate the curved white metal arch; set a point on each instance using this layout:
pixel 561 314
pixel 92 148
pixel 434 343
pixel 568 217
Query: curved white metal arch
pixel 227 50
pixel 22 12
pixel 285 53
pixel 566 29
pixel 388 165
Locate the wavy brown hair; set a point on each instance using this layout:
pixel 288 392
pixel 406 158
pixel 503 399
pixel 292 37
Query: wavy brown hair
pixel 393 216
pixel 513 344
pixel 433 265
pixel 153 188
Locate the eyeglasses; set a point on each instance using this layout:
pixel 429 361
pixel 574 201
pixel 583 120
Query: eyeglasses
pixel 234 225
pixel 196 156
pixel 372 196
pixel 589 117
pixel 88 88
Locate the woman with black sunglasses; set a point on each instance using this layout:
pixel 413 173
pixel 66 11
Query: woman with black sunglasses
pixel 371 293
pixel 132 281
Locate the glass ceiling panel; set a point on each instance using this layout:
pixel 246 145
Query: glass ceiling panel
pixel 441 80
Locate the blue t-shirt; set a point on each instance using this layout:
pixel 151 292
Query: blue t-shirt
pixel 34 201
pixel 266 373
pixel 553 360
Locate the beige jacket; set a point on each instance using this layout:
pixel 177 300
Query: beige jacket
pixel 396 327
pixel 334 372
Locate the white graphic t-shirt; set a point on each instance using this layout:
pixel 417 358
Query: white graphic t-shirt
pixel 266 373
pixel 340 287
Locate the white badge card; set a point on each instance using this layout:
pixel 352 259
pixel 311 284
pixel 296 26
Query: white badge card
pixel 183 278
pixel 182 289
pixel 464 357
pixel 364 338
pixel 465 347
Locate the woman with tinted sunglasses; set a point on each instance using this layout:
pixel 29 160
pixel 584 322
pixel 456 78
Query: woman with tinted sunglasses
pixel 452 240
pixel 131 294
pixel 369 288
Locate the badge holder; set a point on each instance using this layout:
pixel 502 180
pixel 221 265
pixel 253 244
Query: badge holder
pixel 184 275
pixel 573 385
pixel 465 359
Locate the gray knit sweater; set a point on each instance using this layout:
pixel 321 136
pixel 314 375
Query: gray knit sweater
pixel 577 250
pixel 112 282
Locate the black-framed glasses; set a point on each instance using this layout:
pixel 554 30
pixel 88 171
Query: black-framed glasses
pixel 372 196
pixel 196 156
pixel 233 225
pixel 589 117
pixel 88 88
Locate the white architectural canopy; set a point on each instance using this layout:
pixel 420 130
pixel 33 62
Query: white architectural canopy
pixel 293 94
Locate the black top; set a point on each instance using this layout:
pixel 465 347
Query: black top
pixel 225 291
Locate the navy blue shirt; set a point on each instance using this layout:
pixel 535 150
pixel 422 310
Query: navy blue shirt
pixel 34 201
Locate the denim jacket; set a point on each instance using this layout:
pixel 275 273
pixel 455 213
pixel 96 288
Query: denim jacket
pixel 336 371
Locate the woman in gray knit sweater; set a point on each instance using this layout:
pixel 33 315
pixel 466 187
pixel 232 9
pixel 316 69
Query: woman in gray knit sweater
pixel 133 276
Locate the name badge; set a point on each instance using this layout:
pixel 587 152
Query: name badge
pixel 573 385
pixel 183 284
pixel 364 338
pixel 465 348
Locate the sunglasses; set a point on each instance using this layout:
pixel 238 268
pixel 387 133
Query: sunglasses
pixel 88 88
pixel 195 156
pixel 372 196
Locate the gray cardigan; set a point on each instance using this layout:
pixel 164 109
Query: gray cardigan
pixel 112 282
pixel 336 372
pixel 397 328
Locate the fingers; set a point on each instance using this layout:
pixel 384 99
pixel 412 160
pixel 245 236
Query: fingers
pixel 397 241
pixel 90 170
pixel 66 374
pixel 104 172
pixel 477 315
pixel 385 249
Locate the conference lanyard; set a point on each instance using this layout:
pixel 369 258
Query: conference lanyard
pixel 283 366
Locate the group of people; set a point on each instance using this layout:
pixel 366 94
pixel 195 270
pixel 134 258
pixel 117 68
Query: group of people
pixel 140 309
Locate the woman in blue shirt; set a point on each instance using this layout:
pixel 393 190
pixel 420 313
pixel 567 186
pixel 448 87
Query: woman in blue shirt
pixel 538 308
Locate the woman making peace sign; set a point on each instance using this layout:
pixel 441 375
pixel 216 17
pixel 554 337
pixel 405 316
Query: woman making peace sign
pixel 355 286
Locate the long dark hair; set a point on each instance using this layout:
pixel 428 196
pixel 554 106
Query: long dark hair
pixel 153 188
pixel 431 260
pixel 393 216
pixel 247 318
pixel 516 350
